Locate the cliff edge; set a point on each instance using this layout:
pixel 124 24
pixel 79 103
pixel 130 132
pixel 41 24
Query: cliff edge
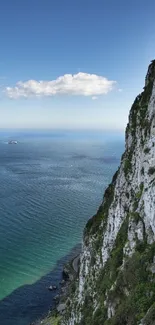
pixel 116 284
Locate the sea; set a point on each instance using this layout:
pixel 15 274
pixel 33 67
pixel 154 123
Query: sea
pixel 51 183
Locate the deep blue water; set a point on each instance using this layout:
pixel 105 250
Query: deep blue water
pixel 50 184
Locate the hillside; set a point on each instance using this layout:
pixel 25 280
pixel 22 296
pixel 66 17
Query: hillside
pixel 116 284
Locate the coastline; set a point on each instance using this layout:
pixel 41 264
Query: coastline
pixel 35 299
pixel 69 275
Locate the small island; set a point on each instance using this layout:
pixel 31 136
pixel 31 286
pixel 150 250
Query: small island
pixel 12 142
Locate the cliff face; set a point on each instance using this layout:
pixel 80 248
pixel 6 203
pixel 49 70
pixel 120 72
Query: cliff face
pixel 116 284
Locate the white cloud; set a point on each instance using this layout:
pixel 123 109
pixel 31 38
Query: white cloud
pixel 94 97
pixel 120 90
pixel 84 84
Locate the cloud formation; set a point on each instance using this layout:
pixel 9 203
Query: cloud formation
pixel 84 84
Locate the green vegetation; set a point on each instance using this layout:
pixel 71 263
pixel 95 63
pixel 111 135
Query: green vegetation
pixel 108 198
pixel 127 166
pixel 146 150
pixel 139 193
pixel 100 316
pixel 150 317
pixel 133 118
pixel 125 282
pixel 151 170
pixel 127 195
pixel 105 280
pixel 128 160
pixel 138 117
pixel 135 216
pixel 93 224
pixel 142 171
pixel 51 320
pixel 137 279
pixel 137 196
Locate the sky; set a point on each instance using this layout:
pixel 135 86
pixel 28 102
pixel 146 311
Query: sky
pixel 73 64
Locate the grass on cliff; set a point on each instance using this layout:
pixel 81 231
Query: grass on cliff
pixel 138 118
pixel 51 320
pixel 125 282
pixel 137 279
pixel 131 288
pixel 107 277
pixel 93 224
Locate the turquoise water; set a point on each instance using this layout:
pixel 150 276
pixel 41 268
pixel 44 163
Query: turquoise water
pixel 50 184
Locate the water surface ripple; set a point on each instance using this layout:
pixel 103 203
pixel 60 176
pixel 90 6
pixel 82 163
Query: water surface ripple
pixel 49 187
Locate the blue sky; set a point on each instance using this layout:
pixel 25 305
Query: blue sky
pixel 104 48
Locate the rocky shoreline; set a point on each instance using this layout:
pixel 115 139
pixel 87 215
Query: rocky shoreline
pixel 69 274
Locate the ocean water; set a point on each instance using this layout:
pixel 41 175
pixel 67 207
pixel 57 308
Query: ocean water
pixel 50 184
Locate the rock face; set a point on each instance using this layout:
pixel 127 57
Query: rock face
pixel 116 284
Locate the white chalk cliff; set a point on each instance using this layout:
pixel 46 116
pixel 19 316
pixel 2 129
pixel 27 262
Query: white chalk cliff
pixel 116 283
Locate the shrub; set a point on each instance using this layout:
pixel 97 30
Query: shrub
pixel 100 316
pixel 127 166
pixel 93 224
pixel 127 195
pixel 142 171
pixel 146 150
pixel 139 193
pixel 151 170
pixel 135 216
pixel 150 317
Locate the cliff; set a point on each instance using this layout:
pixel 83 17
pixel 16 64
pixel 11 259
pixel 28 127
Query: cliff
pixel 116 284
